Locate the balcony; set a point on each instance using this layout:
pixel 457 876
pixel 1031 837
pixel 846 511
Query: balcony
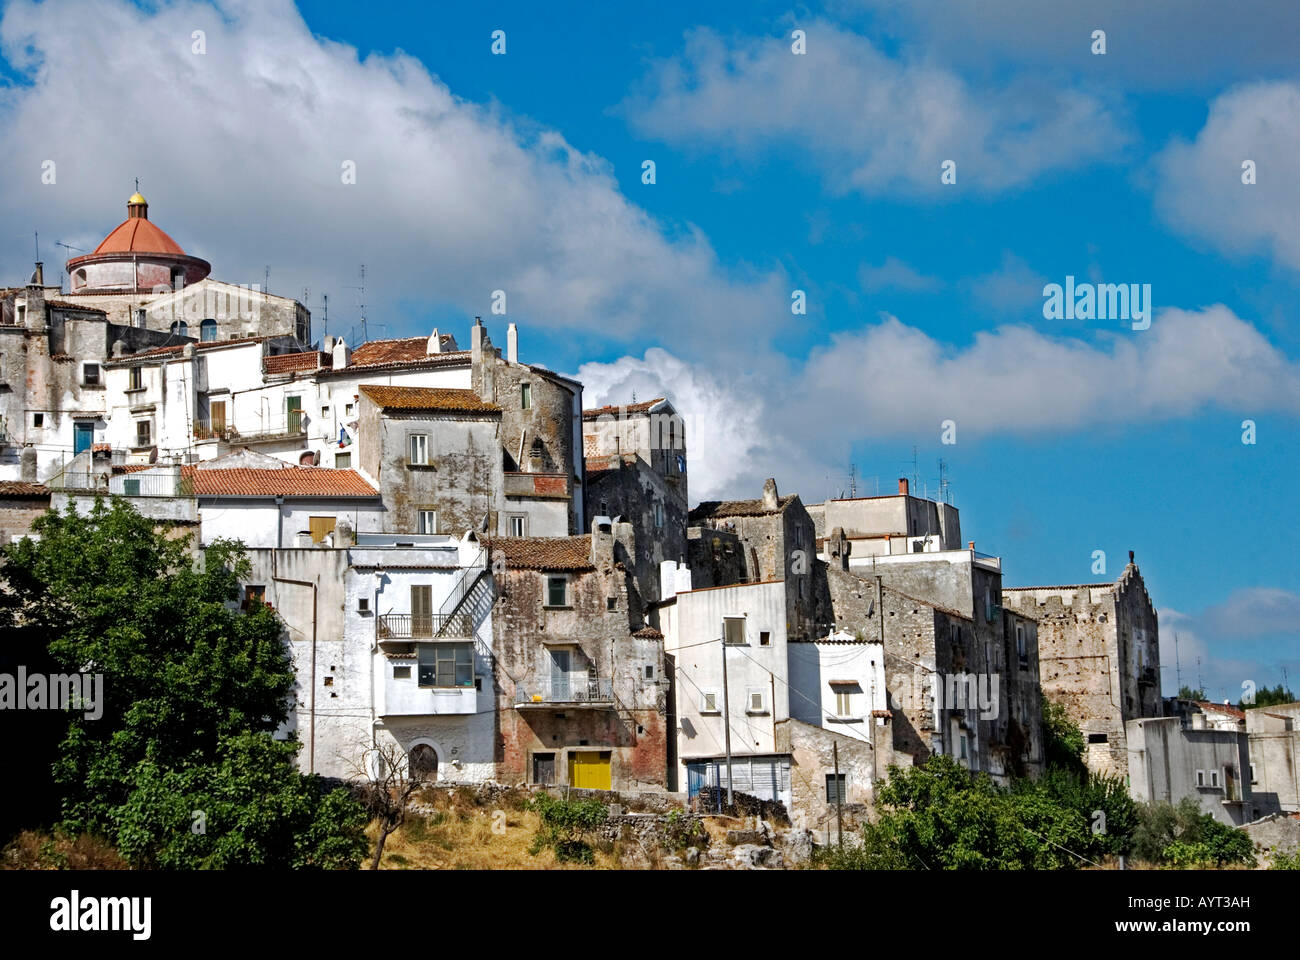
pixel 141 484
pixel 293 426
pixel 574 690
pixel 406 626
pixel 404 697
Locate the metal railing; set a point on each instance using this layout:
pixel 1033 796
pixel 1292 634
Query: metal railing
pixel 576 688
pixel 406 626
pixel 125 485
pixel 272 429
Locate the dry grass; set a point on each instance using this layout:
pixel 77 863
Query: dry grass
pixel 460 836
pixel 32 850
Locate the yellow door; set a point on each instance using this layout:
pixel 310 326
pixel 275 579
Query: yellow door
pixel 589 770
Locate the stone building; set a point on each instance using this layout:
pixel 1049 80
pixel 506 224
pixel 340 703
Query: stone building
pixel 436 456
pixel 1274 737
pixel 776 538
pixel 582 695
pixel 651 430
pixel 20 504
pixel 898 523
pixel 1099 656
pixel 1171 758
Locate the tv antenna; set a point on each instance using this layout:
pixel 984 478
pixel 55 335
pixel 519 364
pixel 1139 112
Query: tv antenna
pixel 943 481
pixel 1178 668
pixel 68 246
pixel 361 288
pixel 325 316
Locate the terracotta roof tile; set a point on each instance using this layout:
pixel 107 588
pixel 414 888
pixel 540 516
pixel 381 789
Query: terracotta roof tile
pixel 720 509
pixel 290 481
pixel 65 305
pixel 162 352
pixel 648 633
pixel 427 398
pixel 139 235
pixel 404 350
pixel 1221 708
pixel 613 409
pixel 609 462
pixel 544 553
pixel 293 362
pixel 21 488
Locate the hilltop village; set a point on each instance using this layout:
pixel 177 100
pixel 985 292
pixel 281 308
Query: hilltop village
pixel 476 569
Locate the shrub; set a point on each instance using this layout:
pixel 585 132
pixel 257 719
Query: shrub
pixel 565 826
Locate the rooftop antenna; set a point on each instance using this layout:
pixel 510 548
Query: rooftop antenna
pixel 362 288
pixel 68 246
pixel 36 234
pixel 266 279
pixel 1178 667
pixel 1200 681
pixel 853 480
pixel 943 481
pixel 325 315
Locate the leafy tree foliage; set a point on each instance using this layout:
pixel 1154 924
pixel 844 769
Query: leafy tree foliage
pixel 1183 836
pixel 1269 697
pixel 1063 742
pixel 1187 693
pixel 181 769
pixel 565 826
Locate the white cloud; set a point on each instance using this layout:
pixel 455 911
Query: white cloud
pixel 1248 637
pixel 871 122
pixel 892 381
pixel 240 153
pixel 1012 287
pixel 894 274
pixel 1198 185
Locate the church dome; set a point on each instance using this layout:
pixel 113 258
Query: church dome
pixel 136 257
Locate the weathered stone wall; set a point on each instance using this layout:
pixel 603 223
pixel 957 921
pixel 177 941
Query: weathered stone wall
pixel 17 514
pixel 813 760
pixel 601 642
pixel 631 490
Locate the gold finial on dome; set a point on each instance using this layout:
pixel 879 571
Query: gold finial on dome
pixel 137 198
pixel 137 205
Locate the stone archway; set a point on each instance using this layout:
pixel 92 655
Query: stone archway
pixel 422 760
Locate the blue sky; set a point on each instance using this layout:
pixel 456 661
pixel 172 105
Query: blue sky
pixel 774 172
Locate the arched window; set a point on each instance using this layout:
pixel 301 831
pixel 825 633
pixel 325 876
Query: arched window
pixel 180 328
pixel 423 762
pixel 208 330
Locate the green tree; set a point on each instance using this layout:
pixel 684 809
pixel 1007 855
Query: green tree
pixel 1187 693
pixel 1183 836
pixel 193 690
pixel 1063 742
pixel 566 825
pixel 1269 697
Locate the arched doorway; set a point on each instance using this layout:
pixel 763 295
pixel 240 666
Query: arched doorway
pixel 423 762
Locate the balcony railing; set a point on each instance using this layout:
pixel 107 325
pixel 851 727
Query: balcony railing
pixel 125 485
pixel 278 428
pixel 574 689
pixel 406 626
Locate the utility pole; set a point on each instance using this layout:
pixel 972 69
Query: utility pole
pixel 839 797
pixel 726 714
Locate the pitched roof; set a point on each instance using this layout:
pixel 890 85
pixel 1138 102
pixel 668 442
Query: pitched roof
pixel 65 305
pixel 1221 708
pixel 643 406
pixel 545 553
pixel 404 350
pixel 427 398
pixel 21 488
pixel 720 509
pixel 291 362
pixel 612 461
pixel 290 481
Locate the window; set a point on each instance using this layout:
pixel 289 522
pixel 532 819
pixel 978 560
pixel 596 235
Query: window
pixel 426 521
pixel 557 591
pixel 349 408
pixel 446 665
pixel 650 674
pixel 180 329
pixel 254 596
pixel 1214 778
pixel 321 527
pixel 518 525
pixel 754 702
pixel 964 754
pixel 843 703
pixel 324 413
pixel 659 514
pixel 765 638
pixel 709 702
pixel 1098 738
pixel 604 508
pixel 208 331
pixel 293 414
pixel 402 673
pixel 1200 778
pixel 342 461
pixel 733 630
pixel 363 605
pixel 418 449
pixel 217 416
pixel 1022 649
pixel 143 433
pixel 38 419
pixel 835 784
pixel 544 768
pixel 1252 774
pixel 525 396
pixel 131 486
pixel 136 381
pixel 611 603
pixel 139 318
pixel 90 374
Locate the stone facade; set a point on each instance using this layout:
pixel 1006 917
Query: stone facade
pixel 20 504
pixel 1099 656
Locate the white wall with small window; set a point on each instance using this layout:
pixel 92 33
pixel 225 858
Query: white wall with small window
pixel 838 683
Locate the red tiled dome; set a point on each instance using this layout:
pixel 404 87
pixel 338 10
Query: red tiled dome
pixel 138 235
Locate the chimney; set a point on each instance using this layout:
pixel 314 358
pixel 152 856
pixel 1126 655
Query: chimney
pixel 512 343
pixel 970 545
pixel 341 354
pixel 1130 556
pixel 902 486
pixel 35 316
pixel 435 343
pixel 476 341
pixel 38 275
pixel 602 545
pixel 771 502
pixel 27 465
pixel 838 548
pixel 327 345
